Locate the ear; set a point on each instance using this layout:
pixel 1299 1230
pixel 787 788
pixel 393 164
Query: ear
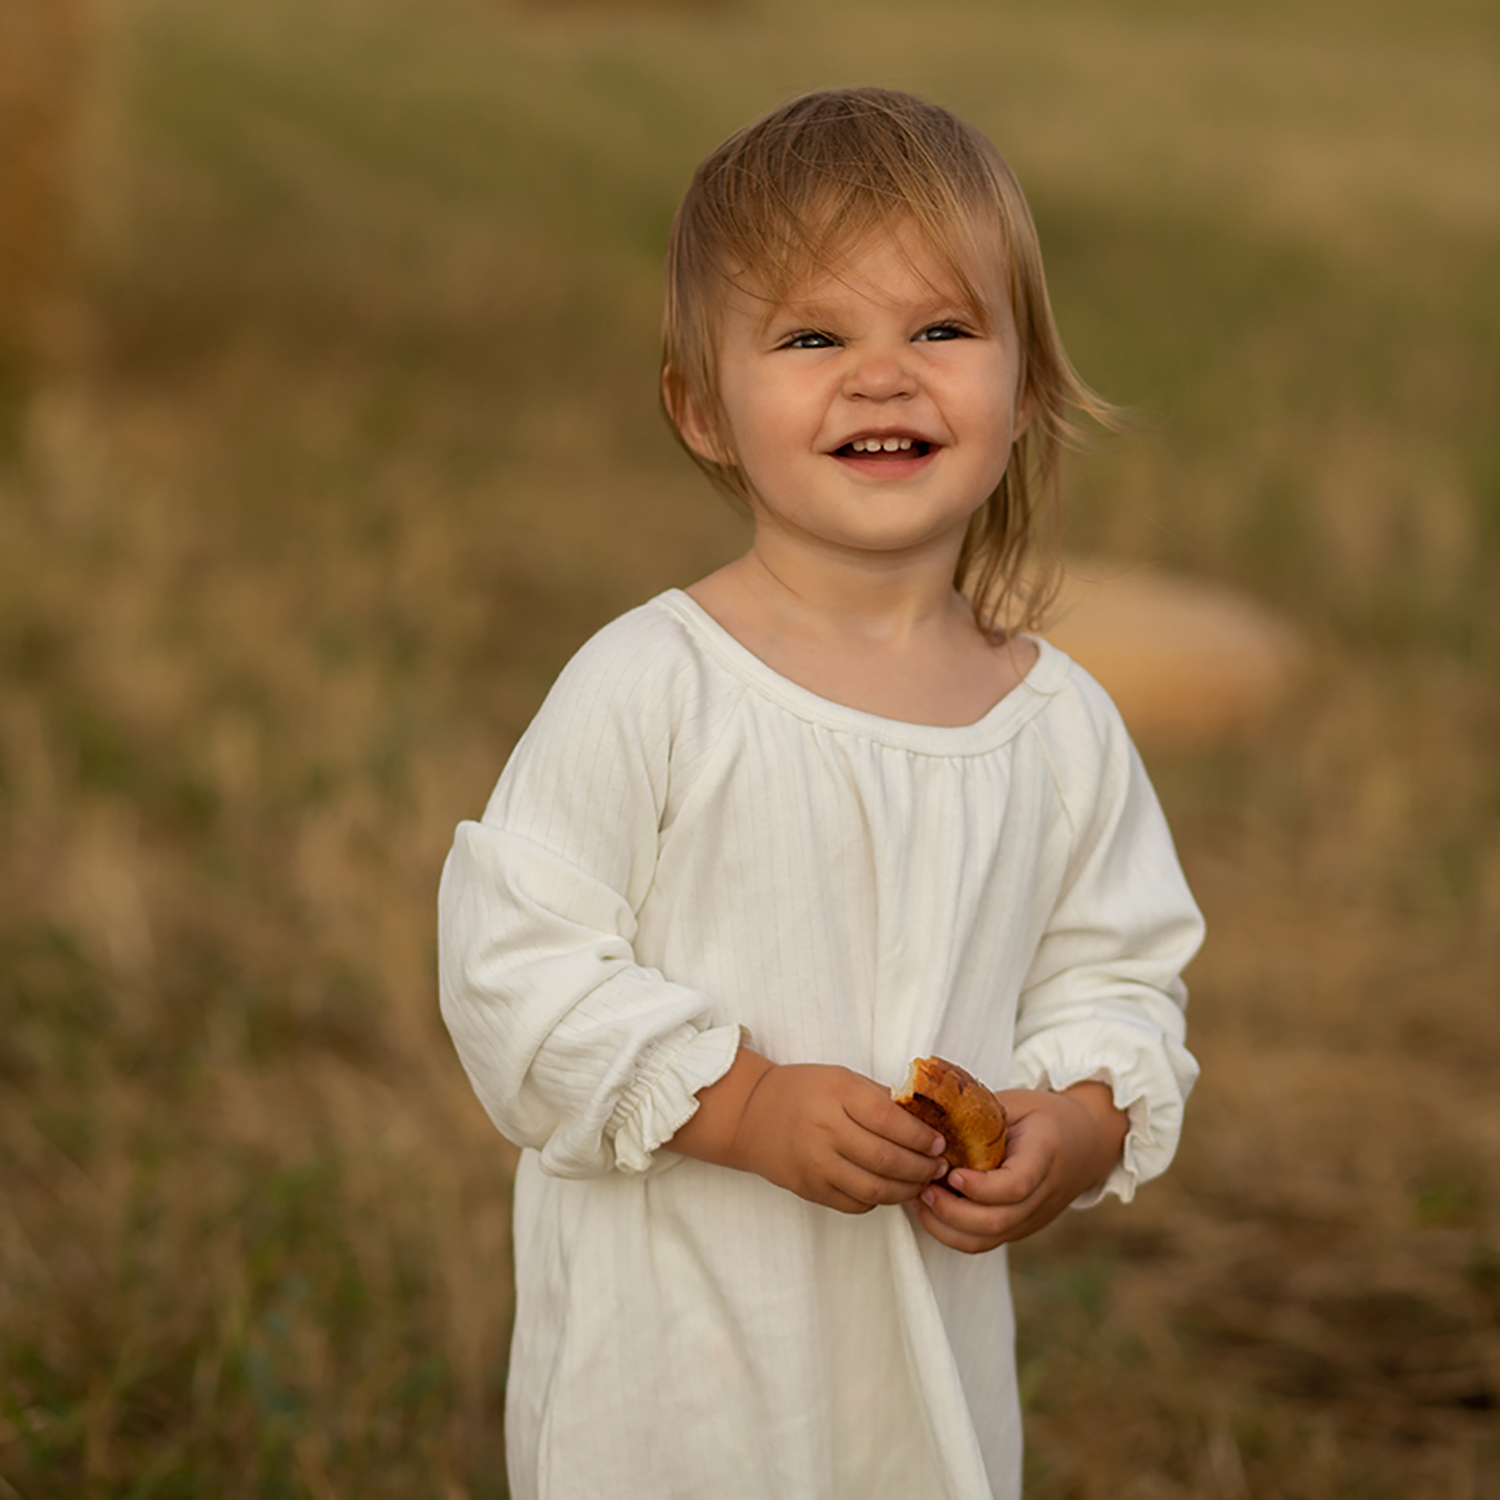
pixel 686 412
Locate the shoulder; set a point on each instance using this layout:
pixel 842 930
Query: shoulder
pixel 644 679
pixel 647 644
pixel 1079 716
pixel 1082 735
pixel 604 735
pixel 647 657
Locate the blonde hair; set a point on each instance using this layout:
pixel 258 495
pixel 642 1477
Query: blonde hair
pixel 781 199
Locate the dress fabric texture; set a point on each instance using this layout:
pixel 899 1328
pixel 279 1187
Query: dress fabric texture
pixel 685 844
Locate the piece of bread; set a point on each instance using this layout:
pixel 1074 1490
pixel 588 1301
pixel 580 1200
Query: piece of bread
pixel 955 1103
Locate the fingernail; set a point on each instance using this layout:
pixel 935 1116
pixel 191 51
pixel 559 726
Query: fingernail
pixel 929 1197
pixel 938 1146
pixel 959 1183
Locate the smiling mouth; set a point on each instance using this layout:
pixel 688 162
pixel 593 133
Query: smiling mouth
pixel 884 448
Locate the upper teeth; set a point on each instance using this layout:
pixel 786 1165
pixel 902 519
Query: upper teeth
pixel 880 445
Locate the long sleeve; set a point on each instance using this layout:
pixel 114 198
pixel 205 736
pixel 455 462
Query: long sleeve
pixel 573 1047
pixel 1103 999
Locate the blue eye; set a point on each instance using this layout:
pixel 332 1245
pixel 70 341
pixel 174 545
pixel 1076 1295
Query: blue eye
pixel 940 332
pixel 808 340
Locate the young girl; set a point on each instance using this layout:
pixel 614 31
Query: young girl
pixel 774 836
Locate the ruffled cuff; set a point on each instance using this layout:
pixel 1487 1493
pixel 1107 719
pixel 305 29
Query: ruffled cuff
pixel 664 1094
pixel 1150 1089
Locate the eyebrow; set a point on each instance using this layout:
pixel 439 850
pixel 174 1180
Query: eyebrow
pixel 813 312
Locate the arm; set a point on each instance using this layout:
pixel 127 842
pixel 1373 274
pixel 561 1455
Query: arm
pixel 570 1045
pixel 575 1048
pixel 1104 999
pixel 1100 1065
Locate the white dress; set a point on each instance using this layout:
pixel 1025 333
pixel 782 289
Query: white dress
pixel 685 843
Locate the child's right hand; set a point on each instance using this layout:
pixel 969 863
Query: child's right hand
pixel 834 1137
pixel 826 1133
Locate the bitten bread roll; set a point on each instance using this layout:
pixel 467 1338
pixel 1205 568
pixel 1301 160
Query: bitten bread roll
pixel 970 1118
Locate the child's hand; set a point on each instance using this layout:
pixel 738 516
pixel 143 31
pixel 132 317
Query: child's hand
pixel 835 1137
pixel 1060 1145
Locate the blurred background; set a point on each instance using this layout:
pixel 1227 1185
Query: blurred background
pixel 328 430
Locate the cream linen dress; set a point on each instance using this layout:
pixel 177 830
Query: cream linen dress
pixel 685 844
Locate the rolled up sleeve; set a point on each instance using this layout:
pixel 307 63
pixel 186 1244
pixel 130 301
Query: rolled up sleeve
pixel 574 1048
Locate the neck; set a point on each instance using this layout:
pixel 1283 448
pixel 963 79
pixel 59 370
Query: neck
pixel 897 642
pixel 891 596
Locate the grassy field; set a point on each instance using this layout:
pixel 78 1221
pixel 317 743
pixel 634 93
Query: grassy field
pixel 362 442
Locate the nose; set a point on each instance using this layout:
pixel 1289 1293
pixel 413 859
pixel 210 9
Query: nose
pixel 884 373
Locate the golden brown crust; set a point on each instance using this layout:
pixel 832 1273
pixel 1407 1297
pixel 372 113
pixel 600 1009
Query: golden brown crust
pixel 957 1105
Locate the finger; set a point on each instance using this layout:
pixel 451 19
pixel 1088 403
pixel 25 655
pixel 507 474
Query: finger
pixel 844 1202
pixel 1027 1166
pixel 992 1227
pixel 980 1219
pixel 877 1112
pixel 954 1239
pixel 1011 1182
pixel 870 1189
pixel 883 1158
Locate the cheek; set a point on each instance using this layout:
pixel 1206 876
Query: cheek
pixel 769 421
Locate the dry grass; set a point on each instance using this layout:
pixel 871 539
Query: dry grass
pixel 368 445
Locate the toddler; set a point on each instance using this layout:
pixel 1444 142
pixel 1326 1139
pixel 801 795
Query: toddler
pixel 772 836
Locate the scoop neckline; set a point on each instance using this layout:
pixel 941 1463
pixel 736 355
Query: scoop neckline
pixel 1026 699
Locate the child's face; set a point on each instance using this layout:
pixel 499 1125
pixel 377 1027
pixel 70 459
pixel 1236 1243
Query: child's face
pixel 871 414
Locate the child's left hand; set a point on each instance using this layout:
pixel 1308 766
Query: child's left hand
pixel 1060 1145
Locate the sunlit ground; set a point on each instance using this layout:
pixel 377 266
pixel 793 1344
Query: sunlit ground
pixel 362 442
